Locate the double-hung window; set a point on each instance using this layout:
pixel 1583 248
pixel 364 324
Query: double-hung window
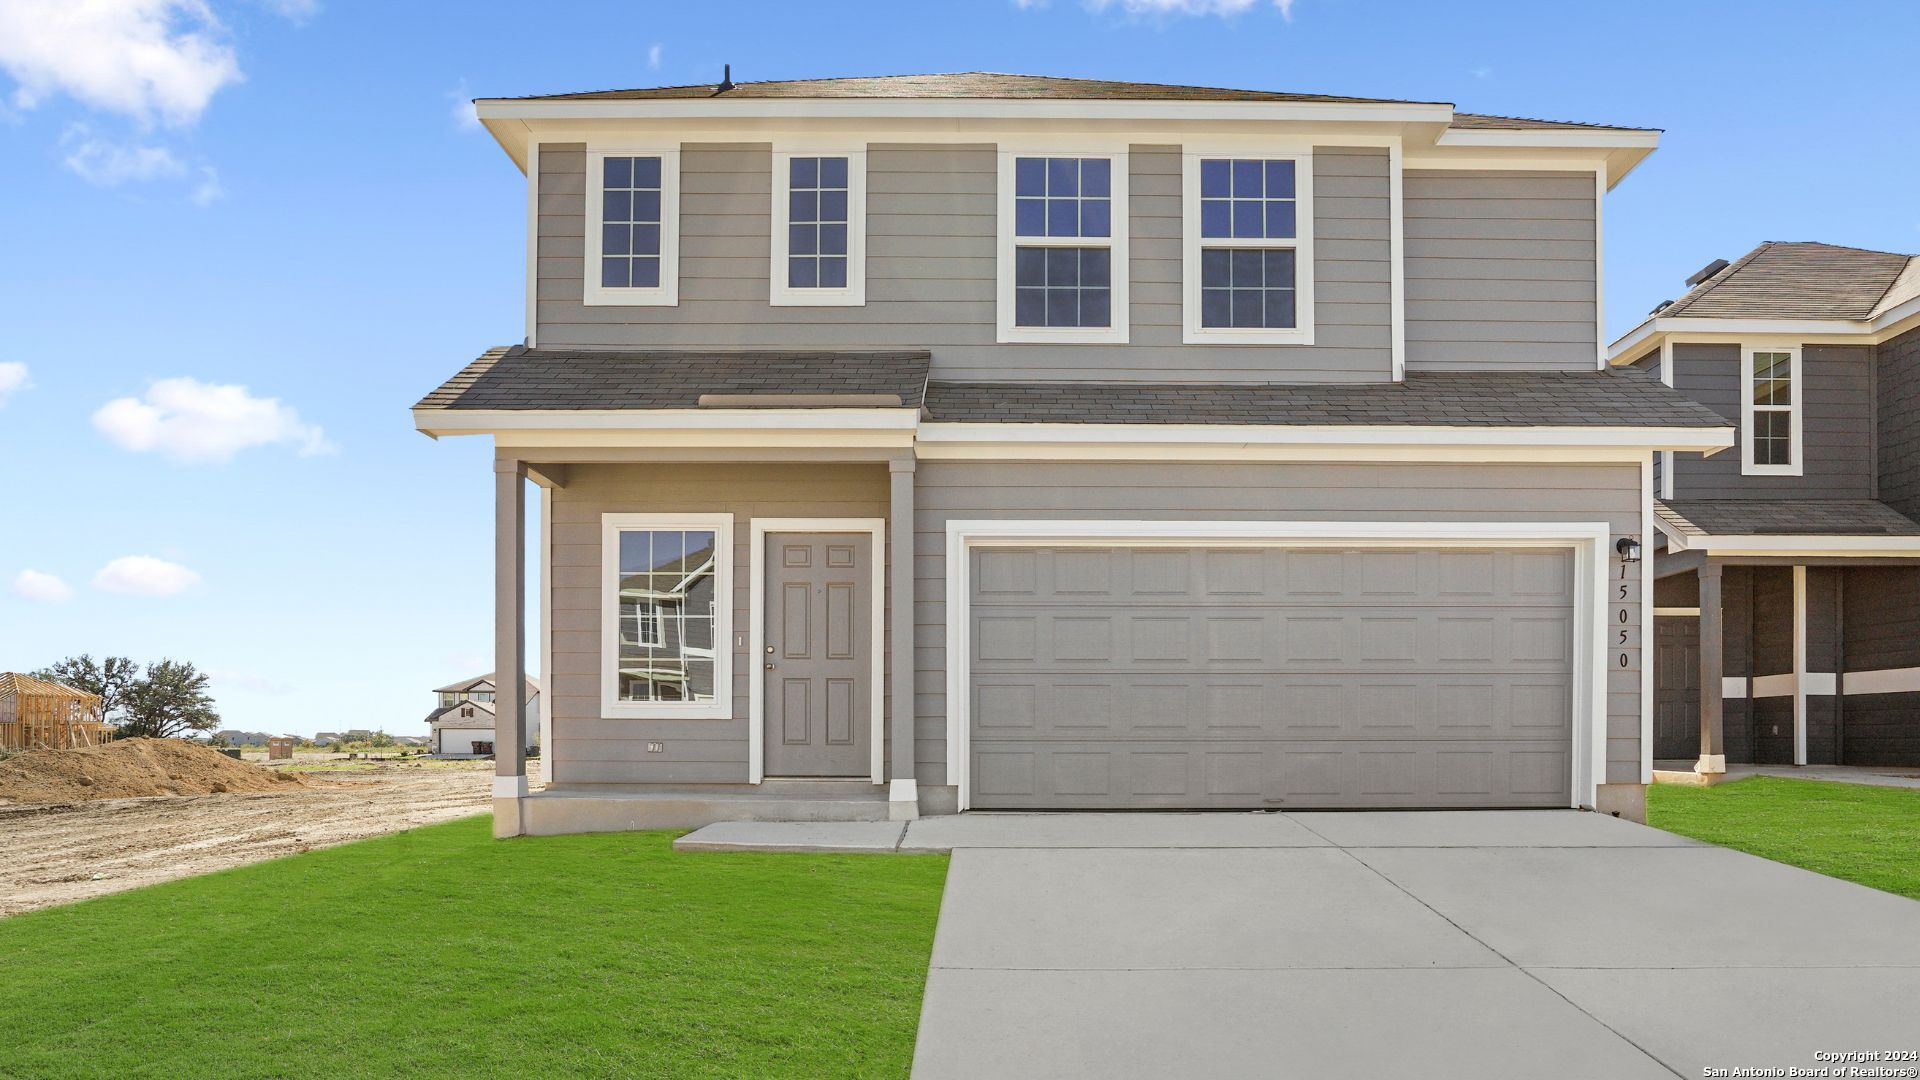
pixel 1063 247
pixel 633 227
pixel 1770 410
pixel 1248 247
pixel 819 228
pixel 666 615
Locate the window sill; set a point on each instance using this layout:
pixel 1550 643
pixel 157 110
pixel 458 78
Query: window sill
pixel 817 298
pixel 601 297
pixel 1042 335
pixel 1194 336
pixel 665 710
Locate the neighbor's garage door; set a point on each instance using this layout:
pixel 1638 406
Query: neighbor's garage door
pixel 1199 677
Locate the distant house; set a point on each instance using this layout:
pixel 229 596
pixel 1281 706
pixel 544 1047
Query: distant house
pixel 463 719
pixel 326 738
pixel 236 737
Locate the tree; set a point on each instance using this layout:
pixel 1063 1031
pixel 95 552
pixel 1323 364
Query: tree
pixel 171 699
pixel 113 679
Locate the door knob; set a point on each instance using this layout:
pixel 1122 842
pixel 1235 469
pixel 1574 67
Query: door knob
pixel 769 665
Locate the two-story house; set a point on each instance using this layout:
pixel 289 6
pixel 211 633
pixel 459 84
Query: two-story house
pixel 1787 591
pixel 918 444
pixel 464 721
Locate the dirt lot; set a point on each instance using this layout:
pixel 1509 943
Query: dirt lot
pixel 54 853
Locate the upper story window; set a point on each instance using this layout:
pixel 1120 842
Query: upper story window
pixel 1248 248
pixel 819 228
pixel 666 615
pixel 633 226
pixel 1063 247
pixel 1770 410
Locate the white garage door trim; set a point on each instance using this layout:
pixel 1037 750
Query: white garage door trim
pixel 1588 541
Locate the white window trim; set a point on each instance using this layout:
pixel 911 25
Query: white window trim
pixel 875 528
pixel 1795 461
pixel 667 294
pixel 1191 243
pixel 611 707
pixel 1590 543
pixel 779 294
pixel 1121 323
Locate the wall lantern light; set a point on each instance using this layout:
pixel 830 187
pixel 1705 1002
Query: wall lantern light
pixel 1629 549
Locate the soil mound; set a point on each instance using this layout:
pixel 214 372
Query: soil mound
pixel 131 768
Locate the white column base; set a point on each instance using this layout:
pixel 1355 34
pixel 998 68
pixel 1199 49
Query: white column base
pixel 903 800
pixel 510 787
pixel 1711 764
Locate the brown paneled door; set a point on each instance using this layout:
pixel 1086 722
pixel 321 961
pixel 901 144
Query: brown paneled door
pixel 1676 674
pixel 819 654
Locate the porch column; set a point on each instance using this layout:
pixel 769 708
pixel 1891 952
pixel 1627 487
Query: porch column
pixel 509 645
pixel 903 793
pixel 1713 747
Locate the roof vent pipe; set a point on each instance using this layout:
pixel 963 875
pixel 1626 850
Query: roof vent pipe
pixel 1660 307
pixel 1707 271
pixel 726 81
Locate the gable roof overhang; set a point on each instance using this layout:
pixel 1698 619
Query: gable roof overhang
pixel 979 109
pixel 1637 343
pixel 1814 528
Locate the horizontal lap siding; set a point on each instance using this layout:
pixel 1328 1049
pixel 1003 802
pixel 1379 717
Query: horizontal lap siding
pixel 1897 365
pixel 1500 271
pixel 1837 400
pixel 590 748
pixel 931 219
pixel 1882 630
pixel 955 490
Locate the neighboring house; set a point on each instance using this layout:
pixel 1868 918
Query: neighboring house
pixel 326 738
pixel 236 737
pixel 465 716
pixel 1788 591
pixel 996 441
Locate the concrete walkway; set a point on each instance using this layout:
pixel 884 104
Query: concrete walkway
pixel 1490 944
pixel 1872 775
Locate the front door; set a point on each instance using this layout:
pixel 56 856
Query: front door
pixel 819 654
pixel 1676 674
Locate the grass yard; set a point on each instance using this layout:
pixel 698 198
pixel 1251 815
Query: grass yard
pixel 1866 834
pixel 442 952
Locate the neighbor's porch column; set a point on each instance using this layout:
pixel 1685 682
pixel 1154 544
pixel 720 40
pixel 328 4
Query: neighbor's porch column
pixel 1713 748
pixel 903 794
pixel 509 645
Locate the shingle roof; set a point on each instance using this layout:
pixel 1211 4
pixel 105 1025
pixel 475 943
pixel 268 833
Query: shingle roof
pixel 1798 280
pixel 1002 86
pixel 1784 517
pixel 517 377
pixel 533 685
pixel 1462 399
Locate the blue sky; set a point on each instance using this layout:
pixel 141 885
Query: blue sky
pixel 233 263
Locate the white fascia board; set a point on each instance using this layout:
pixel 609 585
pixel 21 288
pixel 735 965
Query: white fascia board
pixel 1601 138
pixel 1650 438
pixel 1900 547
pixel 1679 540
pixel 1890 323
pixel 480 421
pixel 964 109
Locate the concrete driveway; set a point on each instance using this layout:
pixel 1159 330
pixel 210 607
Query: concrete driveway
pixel 1489 944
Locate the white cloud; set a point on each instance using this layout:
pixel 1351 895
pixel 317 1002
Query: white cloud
pixel 44 588
pixel 1482 72
pixel 208 190
pixel 465 116
pixel 144 575
pixel 191 421
pixel 108 164
pixel 296 11
pixel 653 56
pixel 151 60
pixel 1179 7
pixel 13 379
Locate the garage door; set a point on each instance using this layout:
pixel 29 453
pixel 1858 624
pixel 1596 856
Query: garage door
pixel 1124 678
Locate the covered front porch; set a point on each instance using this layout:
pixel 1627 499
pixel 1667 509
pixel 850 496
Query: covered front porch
pixel 1786 649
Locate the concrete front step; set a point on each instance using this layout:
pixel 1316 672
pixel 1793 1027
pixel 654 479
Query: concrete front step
pixel 560 810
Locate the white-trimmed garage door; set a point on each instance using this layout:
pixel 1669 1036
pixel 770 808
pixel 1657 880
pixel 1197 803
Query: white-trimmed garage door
pixel 1138 677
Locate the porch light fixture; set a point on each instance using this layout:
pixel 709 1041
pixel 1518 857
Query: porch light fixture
pixel 1629 549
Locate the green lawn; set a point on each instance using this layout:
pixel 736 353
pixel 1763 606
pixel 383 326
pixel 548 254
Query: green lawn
pixel 1866 834
pixel 595 955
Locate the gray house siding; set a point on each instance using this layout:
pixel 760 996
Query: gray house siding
pixel 588 748
pixel 964 490
pixel 1500 270
pixel 1897 365
pixel 1882 631
pixel 1838 458
pixel 931 213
